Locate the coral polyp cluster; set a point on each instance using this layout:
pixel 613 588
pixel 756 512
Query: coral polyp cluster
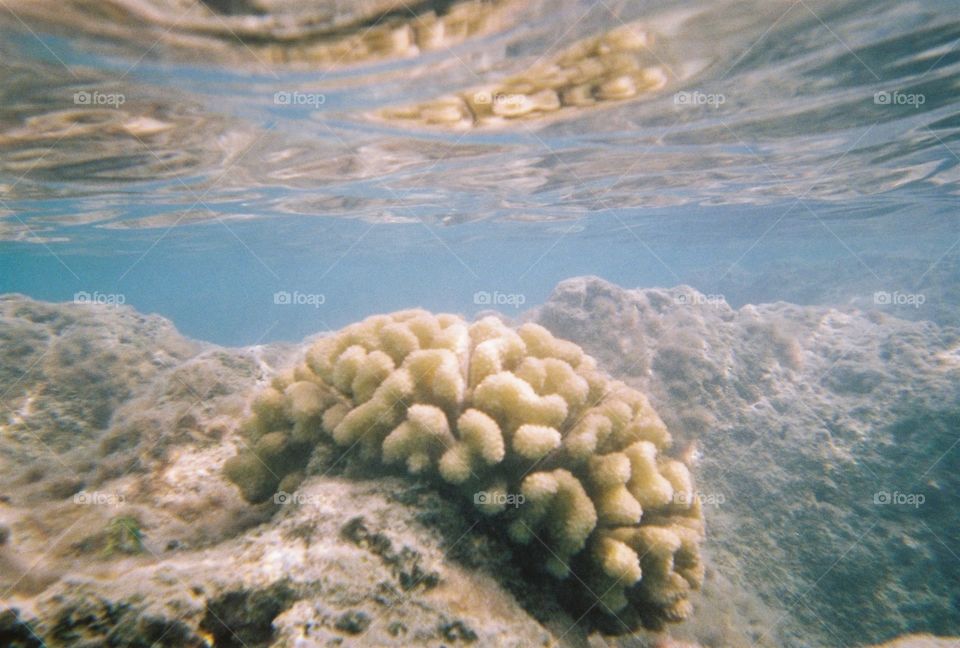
pixel 523 423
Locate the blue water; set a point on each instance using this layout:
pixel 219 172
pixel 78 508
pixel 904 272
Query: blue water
pixel 823 171
pixel 800 186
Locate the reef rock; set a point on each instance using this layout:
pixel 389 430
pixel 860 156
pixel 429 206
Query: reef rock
pixel 818 429
pixel 828 440
pixel 118 528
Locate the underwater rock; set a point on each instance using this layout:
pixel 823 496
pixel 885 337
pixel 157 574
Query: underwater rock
pixel 242 618
pixel 353 622
pixel 826 442
pixel 79 569
pixel 67 370
pixel 85 619
pixel 911 288
pixel 784 480
pixel 96 395
pixel 16 632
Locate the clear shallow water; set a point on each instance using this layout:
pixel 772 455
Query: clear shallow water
pixel 800 151
pixel 778 173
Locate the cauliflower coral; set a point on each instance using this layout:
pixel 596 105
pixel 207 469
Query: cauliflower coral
pixel 510 417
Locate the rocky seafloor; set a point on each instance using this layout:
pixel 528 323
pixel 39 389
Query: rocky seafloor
pixel 828 443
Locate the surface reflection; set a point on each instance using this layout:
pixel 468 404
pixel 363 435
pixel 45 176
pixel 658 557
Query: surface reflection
pixel 626 107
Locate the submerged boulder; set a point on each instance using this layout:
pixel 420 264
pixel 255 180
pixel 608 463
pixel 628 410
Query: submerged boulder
pixel 816 431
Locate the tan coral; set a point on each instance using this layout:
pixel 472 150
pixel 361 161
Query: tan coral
pixel 480 444
pixel 609 475
pixel 558 514
pixel 574 463
pixel 420 439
